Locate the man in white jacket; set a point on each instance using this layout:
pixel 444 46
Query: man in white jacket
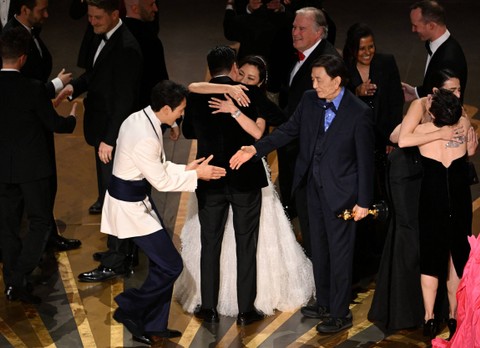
pixel 129 212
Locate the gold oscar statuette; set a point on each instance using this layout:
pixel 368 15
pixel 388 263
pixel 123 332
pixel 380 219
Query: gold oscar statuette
pixel 378 211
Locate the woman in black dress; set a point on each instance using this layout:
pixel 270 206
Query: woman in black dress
pixel 445 214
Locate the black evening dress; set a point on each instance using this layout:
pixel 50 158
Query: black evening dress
pixel 445 216
pixel 397 302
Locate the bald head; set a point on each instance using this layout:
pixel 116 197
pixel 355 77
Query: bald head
pixel 143 10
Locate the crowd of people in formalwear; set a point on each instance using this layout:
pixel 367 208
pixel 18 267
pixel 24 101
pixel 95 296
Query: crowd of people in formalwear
pixel 342 143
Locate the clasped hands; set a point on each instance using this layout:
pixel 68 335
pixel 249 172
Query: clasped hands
pixel 367 88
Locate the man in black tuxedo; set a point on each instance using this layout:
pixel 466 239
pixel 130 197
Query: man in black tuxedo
pixel 27 167
pixel 443 51
pixel 30 15
pixel 112 80
pixel 308 33
pixel 222 136
pixel 335 164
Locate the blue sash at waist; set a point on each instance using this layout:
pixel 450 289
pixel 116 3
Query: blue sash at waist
pixel 128 190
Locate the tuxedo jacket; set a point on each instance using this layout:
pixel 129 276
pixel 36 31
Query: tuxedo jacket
pixel 220 135
pixel 137 157
pixel 38 66
pixel 26 120
pixel 345 152
pixel 154 67
pixel 448 56
pixel 112 85
pixel 290 95
pixel 387 103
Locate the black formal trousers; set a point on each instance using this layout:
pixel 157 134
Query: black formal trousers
pixel 332 246
pixel 150 304
pixel 213 207
pixel 21 255
pixel 118 249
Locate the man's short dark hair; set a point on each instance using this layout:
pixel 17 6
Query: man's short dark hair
pixel 431 11
pixel 220 60
pixel 17 5
pixel 14 43
pixel 167 93
pixel 446 108
pixel 334 66
pixel 108 5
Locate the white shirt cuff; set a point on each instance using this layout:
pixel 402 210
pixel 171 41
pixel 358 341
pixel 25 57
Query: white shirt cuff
pixel 57 84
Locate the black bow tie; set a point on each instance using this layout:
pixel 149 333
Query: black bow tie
pixel 427 47
pixel 327 105
pixel 103 37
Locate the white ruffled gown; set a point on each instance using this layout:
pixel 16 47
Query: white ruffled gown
pixel 284 273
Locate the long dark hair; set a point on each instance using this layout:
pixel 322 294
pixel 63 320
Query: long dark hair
pixel 352 43
pixel 441 76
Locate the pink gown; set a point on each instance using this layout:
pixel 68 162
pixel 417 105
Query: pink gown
pixel 468 297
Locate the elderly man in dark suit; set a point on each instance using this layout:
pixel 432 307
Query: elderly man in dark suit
pixel 309 34
pixel 112 80
pixel 27 167
pixel 335 164
pixel 443 51
pixel 222 136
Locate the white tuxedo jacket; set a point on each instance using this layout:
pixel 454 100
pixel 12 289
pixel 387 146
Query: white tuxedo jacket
pixel 138 155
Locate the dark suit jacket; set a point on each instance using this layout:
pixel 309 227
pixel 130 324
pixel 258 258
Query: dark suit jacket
pixel 263 32
pixel 26 120
pixel 346 160
pixel 290 95
pixel 388 100
pixel 448 56
pixel 222 136
pixel 37 66
pixel 113 86
pixel 154 67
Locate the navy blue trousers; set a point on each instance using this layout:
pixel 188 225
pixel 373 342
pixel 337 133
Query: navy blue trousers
pixel 150 304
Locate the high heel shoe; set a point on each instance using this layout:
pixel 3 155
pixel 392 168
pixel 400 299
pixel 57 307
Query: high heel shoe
pixel 452 327
pixel 430 328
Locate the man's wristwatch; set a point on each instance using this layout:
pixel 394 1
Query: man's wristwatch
pixel 236 113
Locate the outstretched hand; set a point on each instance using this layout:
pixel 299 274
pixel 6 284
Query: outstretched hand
pixel 205 171
pixel 242 156
pixel 452 133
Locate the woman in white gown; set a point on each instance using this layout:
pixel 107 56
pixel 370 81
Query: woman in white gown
pixel 284 273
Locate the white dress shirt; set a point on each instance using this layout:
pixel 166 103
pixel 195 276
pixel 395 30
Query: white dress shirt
pixel 138 155
pixel 299 64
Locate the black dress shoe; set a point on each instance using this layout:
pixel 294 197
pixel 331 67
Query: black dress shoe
pixel 315 311
pixel 153 338
pixel 334 325
pixel 209 315
pixel 13 293
pixel 430 328
pixel 452 327
pixel 99 274
pixel 247 318
pixel 97 256
pixel 95 208
pixel 134 326
pixel 60 243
